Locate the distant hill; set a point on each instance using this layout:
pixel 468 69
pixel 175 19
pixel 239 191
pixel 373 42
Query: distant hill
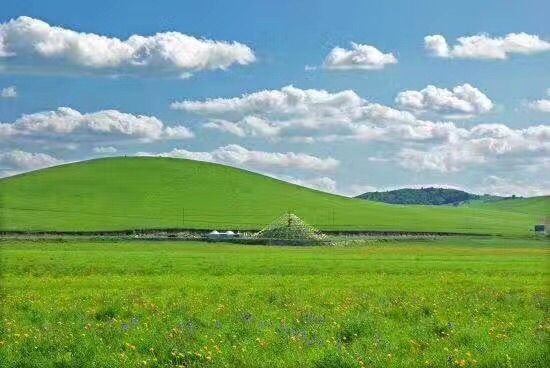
pixel 161 193
pixel 426 196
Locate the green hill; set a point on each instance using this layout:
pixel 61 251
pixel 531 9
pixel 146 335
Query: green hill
pixel 425 196
pixel 147 193
pixel 535 206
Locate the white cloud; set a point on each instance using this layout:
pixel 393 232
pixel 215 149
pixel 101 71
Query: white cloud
pixel 106 124
pixel 355 189
pixel 287 102
pixel 484 47
pixel 305 140
pixel 310 115
pixel 360 57
pixel 443 159
pixel 106 150
pixel 482 143
pixel 504 187
pixel 542 105
pixel 177 132
pixel 28 41
pixel 292 103
pixel 307 116
pixel 16 161
pixel 7 130
pixel 8 92
pixel 535 165
pixel 249 126
pixel 324 183
pixel 239 156
pixel 377 159
pixel 436 45
pixel 492 184
pixel 464 101
pixel 295 112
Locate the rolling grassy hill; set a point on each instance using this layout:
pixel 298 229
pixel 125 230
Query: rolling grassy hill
pixel 147 193
pixel 536 206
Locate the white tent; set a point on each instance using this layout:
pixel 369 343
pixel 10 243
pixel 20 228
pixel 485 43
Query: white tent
pixel 222 235
pixel 214 234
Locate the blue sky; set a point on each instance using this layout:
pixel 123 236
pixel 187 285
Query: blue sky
pixel 500 146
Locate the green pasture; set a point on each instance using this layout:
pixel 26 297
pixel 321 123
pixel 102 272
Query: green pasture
pixel 463 302
pixel 539 207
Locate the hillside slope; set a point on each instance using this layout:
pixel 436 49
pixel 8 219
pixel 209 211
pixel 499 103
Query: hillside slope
pixel 535 206
pixel 138 193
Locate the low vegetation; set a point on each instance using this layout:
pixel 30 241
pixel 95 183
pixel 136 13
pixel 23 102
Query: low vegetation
pixel 448 303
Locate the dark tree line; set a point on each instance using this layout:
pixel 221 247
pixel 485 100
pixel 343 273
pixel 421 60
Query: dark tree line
pixel 427 196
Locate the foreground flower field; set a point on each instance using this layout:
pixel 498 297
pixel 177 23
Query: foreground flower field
pixel 462 302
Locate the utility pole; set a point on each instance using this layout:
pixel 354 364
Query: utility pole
pixel 183 218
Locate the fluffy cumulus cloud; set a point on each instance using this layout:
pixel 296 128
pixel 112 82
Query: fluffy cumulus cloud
pixel 542 105
pixel 359 57
pixel 463 101
pixel 479 145
pixel 241 157
pixel 105 150
pixel 485 47
pixel 29 41
pixel 309 115
pixel 16 161
pixel 288 102
pixel 249 126
pixel 8 92
pixel 105 124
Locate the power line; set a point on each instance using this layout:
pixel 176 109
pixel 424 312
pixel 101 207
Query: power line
pixel 255 220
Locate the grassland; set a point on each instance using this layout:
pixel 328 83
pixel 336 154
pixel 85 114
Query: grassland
pixel 539 207
pixel 445 303
pixel 147 193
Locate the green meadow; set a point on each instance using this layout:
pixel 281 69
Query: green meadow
pixel 158 193
pixel 455 302
pixel 539 207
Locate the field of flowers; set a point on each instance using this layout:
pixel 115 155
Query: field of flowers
pixel 445 303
